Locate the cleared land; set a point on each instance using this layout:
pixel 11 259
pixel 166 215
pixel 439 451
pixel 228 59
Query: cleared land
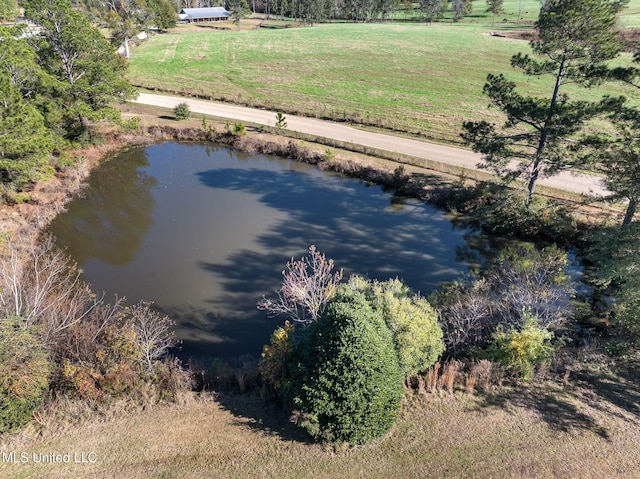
pixel 424 79
pixel 584 429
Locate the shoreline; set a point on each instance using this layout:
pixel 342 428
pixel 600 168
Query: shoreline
pixel 49 197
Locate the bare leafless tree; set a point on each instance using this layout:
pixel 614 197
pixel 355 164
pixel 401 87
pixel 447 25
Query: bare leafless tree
pixel 307 286
pixel 42 286
pixel 153 334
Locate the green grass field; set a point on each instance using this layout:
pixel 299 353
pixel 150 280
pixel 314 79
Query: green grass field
pixel 424 79
pixel 408 77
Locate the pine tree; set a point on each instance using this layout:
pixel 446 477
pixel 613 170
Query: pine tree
pixel 576 38
pixel 89 74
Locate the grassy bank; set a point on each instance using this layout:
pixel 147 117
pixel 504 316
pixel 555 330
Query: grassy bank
pixel 586 428
pixel 412 77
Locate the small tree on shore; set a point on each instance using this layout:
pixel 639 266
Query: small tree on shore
pixel 153 335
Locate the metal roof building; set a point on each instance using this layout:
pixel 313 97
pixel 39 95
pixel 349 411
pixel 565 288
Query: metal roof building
pixel 211 14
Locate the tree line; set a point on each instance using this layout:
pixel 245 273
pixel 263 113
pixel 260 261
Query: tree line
pixel 55 86
pixel 313 11
pixel 125 16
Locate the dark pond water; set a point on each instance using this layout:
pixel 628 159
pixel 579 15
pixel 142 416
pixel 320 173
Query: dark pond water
pixel 204 232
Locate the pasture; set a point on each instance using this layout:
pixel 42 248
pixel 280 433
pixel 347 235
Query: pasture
pixel 408 76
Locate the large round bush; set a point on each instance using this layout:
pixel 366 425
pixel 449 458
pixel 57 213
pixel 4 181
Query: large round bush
pixel 414 323
pixel 346 383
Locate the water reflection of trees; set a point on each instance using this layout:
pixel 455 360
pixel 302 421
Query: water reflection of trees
pixel 364 231
pixel 109 221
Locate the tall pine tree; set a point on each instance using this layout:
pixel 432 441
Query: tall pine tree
pixel 89 74
pixel 576 38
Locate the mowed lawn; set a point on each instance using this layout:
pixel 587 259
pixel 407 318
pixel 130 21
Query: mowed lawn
pixel 424 79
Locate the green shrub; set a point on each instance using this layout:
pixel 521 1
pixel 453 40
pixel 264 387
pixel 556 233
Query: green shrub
pixel 281 120
pixel 508 214
pixel 24 373
pixel 399 178
pixel 346 383
pixel 522 350
pixel 182 111
pixel 329 155
pixel 416 331
pixel 132 124
pixel 614 251
pixel 239 129
pixel 273 364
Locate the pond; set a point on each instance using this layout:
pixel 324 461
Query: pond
pixel 204 232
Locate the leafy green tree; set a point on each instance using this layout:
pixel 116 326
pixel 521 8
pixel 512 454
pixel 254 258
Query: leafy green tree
pixel 461 8
pixel 576 38
pixel 431 9
pixel 414 323
pixel 615 254
pixel 89 74
pixel 121 27
pixel 8 10
pixel 345 382
pixel 618 157
pixel 239 9
pixel 25 142
pixel 163 15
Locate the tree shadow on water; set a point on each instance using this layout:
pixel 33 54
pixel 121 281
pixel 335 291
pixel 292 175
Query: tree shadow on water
pixel 363 229
pixel 358 226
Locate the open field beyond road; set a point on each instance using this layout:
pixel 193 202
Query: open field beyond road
pixel 424 79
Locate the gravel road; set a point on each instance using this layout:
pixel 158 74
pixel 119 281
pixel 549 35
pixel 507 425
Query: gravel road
pixel 569 181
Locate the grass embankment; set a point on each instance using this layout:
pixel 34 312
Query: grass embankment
pixel 586 428
pixel 411 77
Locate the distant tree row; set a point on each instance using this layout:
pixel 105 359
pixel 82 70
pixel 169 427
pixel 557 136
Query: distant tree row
pixel 312 11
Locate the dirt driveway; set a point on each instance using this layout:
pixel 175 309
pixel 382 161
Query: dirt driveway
pixel 569 181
